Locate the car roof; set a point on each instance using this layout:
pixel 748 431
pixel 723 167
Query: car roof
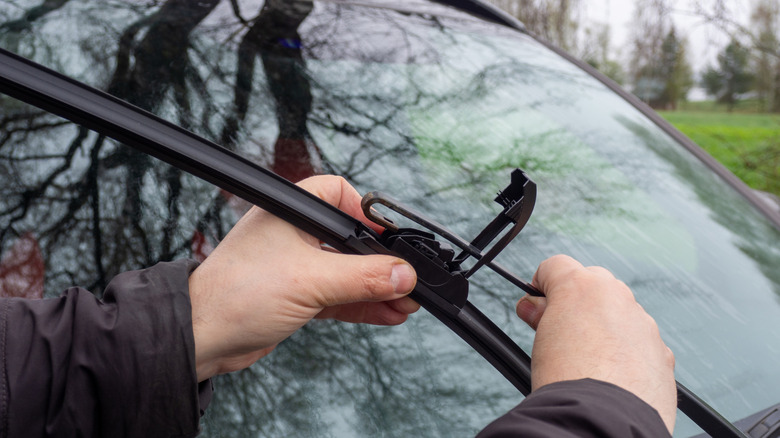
pixel 483 10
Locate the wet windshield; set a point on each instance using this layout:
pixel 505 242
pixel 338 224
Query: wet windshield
pixel 429 105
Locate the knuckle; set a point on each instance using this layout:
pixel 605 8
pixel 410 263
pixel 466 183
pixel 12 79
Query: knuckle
pixel 558 258
pixel 582 279
pixel 652 325
pixel 585 282
pixel 623 289
pixel 600 271
pixel 375 284
pixel 670 359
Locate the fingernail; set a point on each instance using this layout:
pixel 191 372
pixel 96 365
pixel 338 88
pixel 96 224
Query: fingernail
pixel 403 278
pixel 526 309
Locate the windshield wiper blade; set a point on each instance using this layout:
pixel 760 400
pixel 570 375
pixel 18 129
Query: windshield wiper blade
pixel 134 127
pixel 39 86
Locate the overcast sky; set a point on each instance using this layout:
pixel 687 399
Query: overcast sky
pixel 704 40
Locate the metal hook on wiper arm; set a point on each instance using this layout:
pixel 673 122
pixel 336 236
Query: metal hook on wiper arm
pixel 518 200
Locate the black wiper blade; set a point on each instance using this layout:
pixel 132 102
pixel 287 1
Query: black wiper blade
pixel 117 119
pixel 128 124
pixel 39 86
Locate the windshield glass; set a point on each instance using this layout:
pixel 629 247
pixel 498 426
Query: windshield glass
pixel 431 106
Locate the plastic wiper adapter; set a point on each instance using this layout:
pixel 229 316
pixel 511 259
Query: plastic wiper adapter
pixel 435 262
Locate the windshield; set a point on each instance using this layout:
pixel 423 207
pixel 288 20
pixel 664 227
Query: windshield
pixel 431 106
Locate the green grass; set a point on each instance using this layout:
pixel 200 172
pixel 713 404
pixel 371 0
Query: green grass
pixel 743 106
pixel 746 142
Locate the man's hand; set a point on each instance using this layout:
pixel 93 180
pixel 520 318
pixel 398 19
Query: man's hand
pixel 590 326
pixel 267 279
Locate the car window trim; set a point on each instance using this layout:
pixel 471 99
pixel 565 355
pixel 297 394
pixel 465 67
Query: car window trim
pixel 47 89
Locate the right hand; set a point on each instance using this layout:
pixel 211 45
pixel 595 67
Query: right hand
pixel 267 279
pixel 590 326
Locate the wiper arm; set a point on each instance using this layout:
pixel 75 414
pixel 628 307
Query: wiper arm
pixel 36 85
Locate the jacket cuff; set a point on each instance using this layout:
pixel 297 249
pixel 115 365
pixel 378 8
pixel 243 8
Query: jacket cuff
pixel 579 408
pixel 172 400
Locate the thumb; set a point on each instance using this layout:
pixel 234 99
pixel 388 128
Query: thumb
pixel 530 309
pixel 344 279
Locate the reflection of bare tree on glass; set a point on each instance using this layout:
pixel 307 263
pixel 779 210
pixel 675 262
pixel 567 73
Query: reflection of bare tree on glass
pixel 30 15
pixel 22 270
pixel 145 71
pixel 95 208
pixel 311 389
pixel 274 38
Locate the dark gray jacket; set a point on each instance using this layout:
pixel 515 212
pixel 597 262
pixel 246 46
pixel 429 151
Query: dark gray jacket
pixel 582 409
pixel 124 366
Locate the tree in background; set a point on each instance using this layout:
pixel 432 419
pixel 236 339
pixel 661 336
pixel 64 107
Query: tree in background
pixel 649 24
pixel 765 62
pixel 557 21
pixel 675 70
pixel 659 70
pixel 760 37
pixel 554 20
pixel 732 76
pixel 597 52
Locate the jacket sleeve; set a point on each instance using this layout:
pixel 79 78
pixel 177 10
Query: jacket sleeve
pixel 123 366
pixel 580 408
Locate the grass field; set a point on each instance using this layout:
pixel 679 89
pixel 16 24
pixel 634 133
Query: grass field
pixel 746 142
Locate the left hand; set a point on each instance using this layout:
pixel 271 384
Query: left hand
pixel 267 279
pixel 589 325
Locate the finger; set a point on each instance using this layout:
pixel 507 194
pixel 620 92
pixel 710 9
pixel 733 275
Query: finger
pixel 530 309
pixel 554 272
pixel 559 277
pixel 404 305
pixel 342 279
pixel 382 313
pixel 337 192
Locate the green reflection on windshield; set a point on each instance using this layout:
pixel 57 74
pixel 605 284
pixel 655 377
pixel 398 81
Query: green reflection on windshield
pixel 614 190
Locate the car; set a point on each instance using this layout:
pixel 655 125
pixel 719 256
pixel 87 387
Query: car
pixel 433 102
